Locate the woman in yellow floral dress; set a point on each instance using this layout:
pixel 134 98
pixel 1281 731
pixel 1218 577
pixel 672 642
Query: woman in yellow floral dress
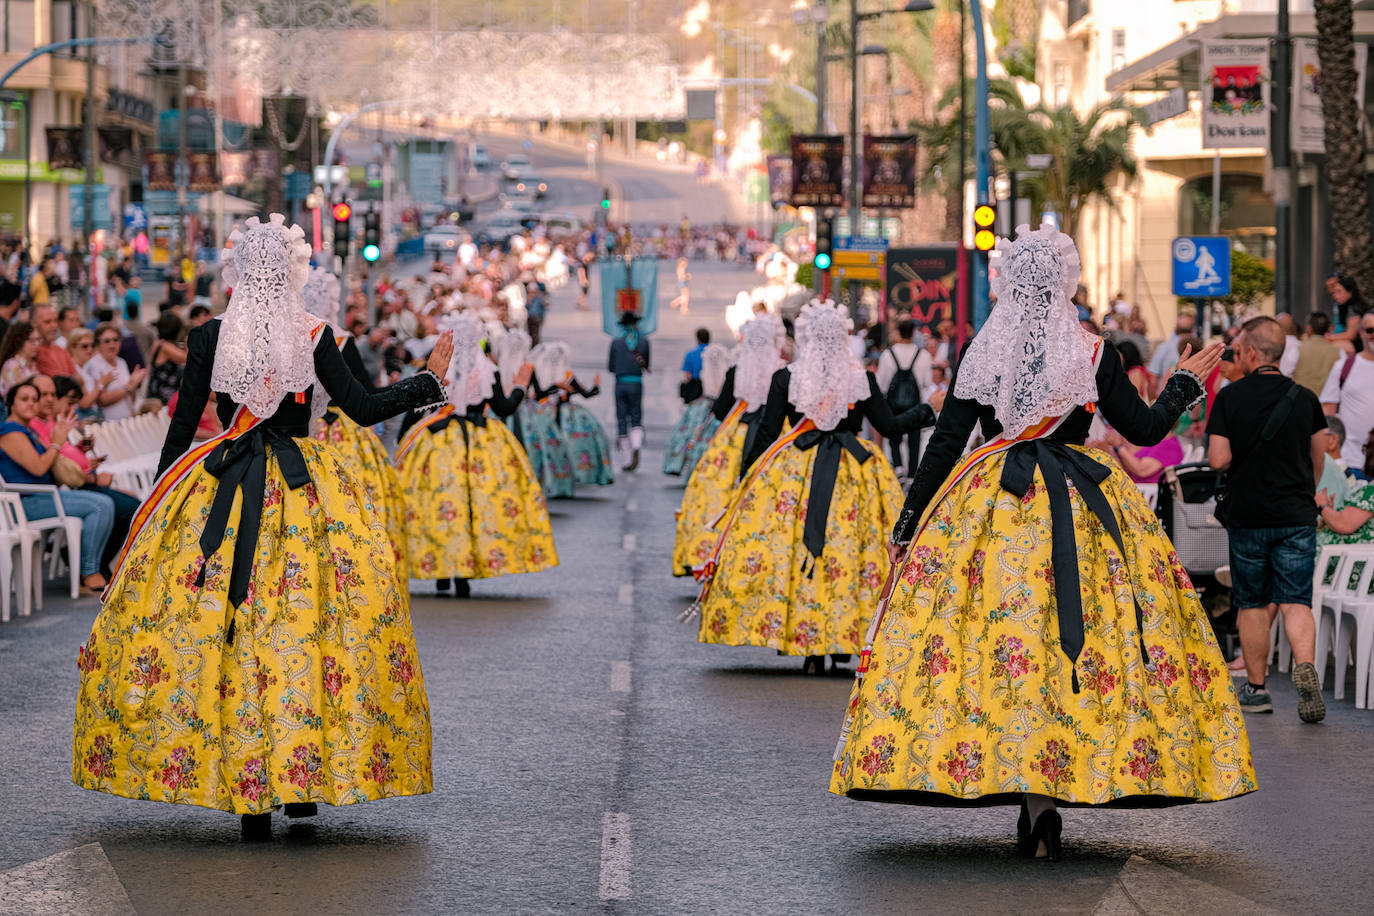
pixel 739 408
pixel 359 444
pixel 474 509
pixel 254 648
pixel 1042 644
pixel 799 560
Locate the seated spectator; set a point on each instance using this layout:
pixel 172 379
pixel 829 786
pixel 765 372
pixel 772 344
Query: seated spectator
pixel 51 359
pixel 1135 368
pixel 1354 522
pixel 125 504
pixel 18 354
pixel 167 358
pixel 117 387
pixel 25 459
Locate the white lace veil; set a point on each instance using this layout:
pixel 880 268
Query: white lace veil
pixel 826 378
pixel 321 296
pixel 512 352
pixel 471 374
pixel 1032 360
pixel 759 356
pixel 264 351
pixel 715 362
pixel 552 362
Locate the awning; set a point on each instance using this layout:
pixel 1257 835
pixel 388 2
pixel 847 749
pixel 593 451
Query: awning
pixel 1177 63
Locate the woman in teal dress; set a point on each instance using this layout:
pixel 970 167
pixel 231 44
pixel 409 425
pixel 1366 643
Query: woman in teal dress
pixel 591 448
pixel 698 423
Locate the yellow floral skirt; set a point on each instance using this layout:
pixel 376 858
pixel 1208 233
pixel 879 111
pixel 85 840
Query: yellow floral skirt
pixel 373 469
pixel 767 590
pixel 968 699
pixel 319 696
pixel 473 506
pixel 707 495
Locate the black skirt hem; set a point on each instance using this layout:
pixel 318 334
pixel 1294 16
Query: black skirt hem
pixel 941 800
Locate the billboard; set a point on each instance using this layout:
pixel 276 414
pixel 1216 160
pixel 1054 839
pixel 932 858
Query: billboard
pixel 1235 93
pixel 889 171
pixel 817 171
pixel 923 281
pixel 779 180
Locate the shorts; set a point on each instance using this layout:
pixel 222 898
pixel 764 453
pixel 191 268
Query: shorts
pixel 1272 566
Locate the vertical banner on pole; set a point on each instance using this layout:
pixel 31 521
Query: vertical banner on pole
pixel 1235 94
pixel 817 171
pixel 1309 126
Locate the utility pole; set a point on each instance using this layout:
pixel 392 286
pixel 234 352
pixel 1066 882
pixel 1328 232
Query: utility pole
pixel 982 159
pixel 1283 184
pixel 88 157
pixel 821 67
pixel 855 146
pixel 182 170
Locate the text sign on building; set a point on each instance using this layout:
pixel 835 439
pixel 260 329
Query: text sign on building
pixel 1235 94
pixel 1168 106
pixel 1202 266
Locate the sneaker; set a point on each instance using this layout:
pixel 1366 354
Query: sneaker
pixel 1311 707
pixel 1252 700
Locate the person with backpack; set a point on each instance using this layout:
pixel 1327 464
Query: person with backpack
pixel 1349 394
pixel 904 376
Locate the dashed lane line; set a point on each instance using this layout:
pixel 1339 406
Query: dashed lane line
pixel 620 677
pixel 615 856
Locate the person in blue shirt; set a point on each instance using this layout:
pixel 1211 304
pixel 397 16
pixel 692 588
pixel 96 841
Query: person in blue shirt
pixel 690 389
pixel 629 360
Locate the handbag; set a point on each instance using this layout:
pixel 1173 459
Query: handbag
pixel 67 473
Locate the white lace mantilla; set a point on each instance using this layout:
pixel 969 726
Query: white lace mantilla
pixel 321 295
pixel 759 356
pixel 265 352
pixel 715 362
pixel 552 362
pixel 512 352
pixel 1032 360
pixel 826 378
pixel 471 374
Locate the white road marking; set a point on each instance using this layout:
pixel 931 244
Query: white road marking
pixel 1145 887
pixel 627 594
pixel 80 880
pixel 629 542
pixel 620 677
pixel 631 505
pixel 615 856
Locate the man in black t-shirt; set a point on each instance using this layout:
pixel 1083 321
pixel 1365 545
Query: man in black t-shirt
pixel 1266 432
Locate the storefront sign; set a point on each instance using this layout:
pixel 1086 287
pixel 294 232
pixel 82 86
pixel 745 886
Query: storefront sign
pixel 923 281
pixel 1167 106
pixel 817 171
pixel 1309 126
pixel 889 172
pixel 1235 94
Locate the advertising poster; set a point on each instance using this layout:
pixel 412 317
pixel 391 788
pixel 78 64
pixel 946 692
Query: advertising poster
pixel 817 171
pixel 204 176
pixel 234 167
pixel 923 281
pixel 64 148
pixel 779 181
pixel 161 168
pixel 1235 94
pixel 1309 126
pixel 889 171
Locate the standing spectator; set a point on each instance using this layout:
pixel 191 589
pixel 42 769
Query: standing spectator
pixel 204 285
pixel 199 314
pixel 1350 307
pixel 1316 354
pixel 39 294
pixel 536 307
pixel 166 359
pixel 690 388
pixel 1165 356
pixel 8 307
pixel 684 287
pixel 1134 362
pixel 18 355
pixel 116 395
pixel 68 320
pixel 629 360
pixel 1291 344
pixel 1268 433
pixel 177 288
pixel 904 376
pixel 372 346
pixel 1349 394
pixel 52 360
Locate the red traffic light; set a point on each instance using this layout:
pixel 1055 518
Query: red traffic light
pixel 342 211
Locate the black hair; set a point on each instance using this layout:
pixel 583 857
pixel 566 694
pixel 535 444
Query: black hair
pixel 906 328
pixel 14 390
pixel 1130 355
pixel 1319 322
pixel 65 385
pixel 197 311
pixel 168 326
pixel 703 336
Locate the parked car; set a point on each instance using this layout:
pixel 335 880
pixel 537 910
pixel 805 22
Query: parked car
pixel 502 227
pixel 532 184
pixel 443 237
pixel 514 166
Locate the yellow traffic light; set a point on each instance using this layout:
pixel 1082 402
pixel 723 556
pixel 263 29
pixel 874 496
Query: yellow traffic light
pixel 984 240
pixel 984 233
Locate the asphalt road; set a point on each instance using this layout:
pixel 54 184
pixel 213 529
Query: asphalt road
pixel 590 755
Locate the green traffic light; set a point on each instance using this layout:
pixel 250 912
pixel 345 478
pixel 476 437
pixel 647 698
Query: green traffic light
pixel 371 252
pixel 605 204
pixel 823 261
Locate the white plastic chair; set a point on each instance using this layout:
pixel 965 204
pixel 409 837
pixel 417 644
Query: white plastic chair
pixel 16 535
pixel 61 526
pixel 1151 493
pixel 1328 584
pixel 1356 623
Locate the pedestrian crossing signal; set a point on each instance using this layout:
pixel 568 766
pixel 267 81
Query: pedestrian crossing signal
pixel 984 227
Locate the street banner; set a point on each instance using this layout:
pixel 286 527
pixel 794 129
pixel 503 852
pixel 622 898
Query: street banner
pixel 65 147
pixel 629 286
pixel 1235 94
pixel 923 281
pixel 817 171
pixel 1309 127
pixel 203 171
pixel 779 180
pixel 889 170
pixel 233 167
pixel 161 168
pixel 114 141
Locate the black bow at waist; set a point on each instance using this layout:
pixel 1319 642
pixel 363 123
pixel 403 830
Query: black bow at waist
pixel 751 421
pixel 241 464
pixel 1058 463
pixel 462 419
pixel 829 445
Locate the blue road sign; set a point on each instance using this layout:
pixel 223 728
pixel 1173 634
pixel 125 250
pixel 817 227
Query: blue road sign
pixel 1202 266
pixel 135 217
pixel 860 243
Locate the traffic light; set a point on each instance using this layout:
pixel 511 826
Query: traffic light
pixel 343 212
pixel 984 227
pixel 606 198
pixel 825 242
pixel 372 237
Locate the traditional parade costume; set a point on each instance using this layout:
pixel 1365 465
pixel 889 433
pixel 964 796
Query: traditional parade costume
pixel 546 443
pixel 254 647
pixel 513 351
pixel 591 448
pixel 698 422
pixel 359 444
pixel 799 562
pixel 739 410
pixel 473 507
pixel 1042 644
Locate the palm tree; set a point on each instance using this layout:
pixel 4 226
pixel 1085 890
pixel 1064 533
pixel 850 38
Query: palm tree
pixel 1344 139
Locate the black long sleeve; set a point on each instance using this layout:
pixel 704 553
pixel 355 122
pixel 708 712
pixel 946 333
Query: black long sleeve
pixel 1121 405
pixel 194 394
pixel 366 408
pixel 775 412
pixel 942 453
pixel 878 412
pixel 502 404
pixel 354 359
pixel 725 401
pixel 585 392
pixel 540 393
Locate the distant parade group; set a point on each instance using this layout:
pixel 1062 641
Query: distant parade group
pixel 1018 628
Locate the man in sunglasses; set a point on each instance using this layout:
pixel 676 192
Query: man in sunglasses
pixel 1349 393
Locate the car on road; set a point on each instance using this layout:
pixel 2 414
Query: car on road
pixel 443 237
pixel 481 159
pixel 514 166
pixel 532 183
pixel 502 227
pixel 561 225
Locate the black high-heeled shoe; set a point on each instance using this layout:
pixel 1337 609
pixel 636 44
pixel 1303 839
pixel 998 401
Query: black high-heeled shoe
pixel 814 664
pixel 300 809
pixel 1045 833
pixel 1023 824
pixel 461 588
pixel 256 826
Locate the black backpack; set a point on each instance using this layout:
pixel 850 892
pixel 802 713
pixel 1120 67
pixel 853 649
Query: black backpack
pixel 902 392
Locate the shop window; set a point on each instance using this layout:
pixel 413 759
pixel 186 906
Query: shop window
pixel 1246 212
